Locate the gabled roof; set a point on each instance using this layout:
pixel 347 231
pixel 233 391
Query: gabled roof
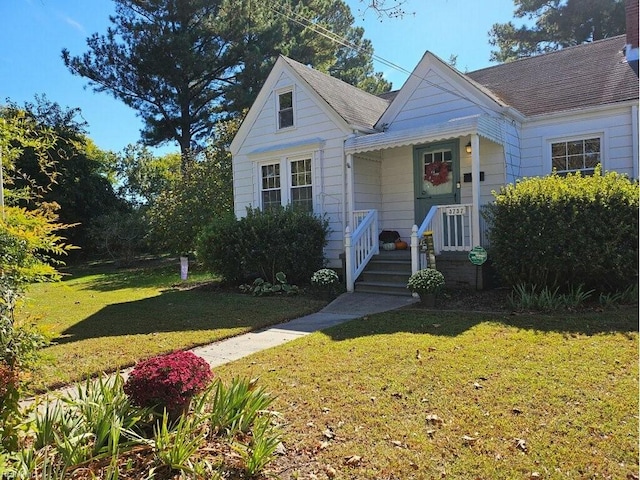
pixel 356 107
pixel 586 75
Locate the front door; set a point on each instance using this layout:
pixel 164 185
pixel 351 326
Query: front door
pixel 436 176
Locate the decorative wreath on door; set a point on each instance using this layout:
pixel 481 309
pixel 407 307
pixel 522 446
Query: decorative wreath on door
pixel 436 173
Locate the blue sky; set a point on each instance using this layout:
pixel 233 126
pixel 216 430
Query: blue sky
pixel 34 32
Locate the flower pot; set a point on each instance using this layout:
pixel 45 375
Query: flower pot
pixel 428 299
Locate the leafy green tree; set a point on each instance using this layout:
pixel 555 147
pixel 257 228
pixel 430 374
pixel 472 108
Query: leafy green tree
pixel 30 245
pixel 558 24
pixel 183 65
pixel 70 172
pixel 179 213
pixel 142 176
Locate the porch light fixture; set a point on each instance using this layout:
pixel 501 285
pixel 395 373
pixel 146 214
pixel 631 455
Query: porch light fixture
pixel 468 147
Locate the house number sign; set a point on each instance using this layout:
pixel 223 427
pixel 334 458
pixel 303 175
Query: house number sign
pixel 478 255
pixel 453 211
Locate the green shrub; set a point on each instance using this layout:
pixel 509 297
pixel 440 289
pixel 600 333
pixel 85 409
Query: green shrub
pixel 264 243
pixel 561 232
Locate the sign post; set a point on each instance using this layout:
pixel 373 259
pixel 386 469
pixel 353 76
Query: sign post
pixel 477 256
pixel 427 247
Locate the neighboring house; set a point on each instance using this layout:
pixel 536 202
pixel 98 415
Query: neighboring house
pixel 428 156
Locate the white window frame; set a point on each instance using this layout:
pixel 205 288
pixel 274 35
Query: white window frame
pixel 286 186
pixel 571 138
pixel 260 179
pixel 278 93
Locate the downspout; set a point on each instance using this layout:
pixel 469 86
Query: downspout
pixel 634 140
pixel 475 189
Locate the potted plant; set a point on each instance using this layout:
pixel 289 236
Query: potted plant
pixel 325 283
pixel 427 283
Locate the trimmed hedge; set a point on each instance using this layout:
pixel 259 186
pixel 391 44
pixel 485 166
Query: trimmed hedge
pixel 566 231
pixel 264 243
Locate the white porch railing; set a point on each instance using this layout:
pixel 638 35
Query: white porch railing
pixel 360 245
pixel 452 227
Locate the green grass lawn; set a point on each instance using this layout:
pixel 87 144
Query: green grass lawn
pixel 417 394
pixel 102 319
pixel 408 394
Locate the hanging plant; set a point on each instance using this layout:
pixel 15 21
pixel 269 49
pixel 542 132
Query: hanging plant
pixel 436 173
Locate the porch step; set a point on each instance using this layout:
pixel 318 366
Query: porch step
pixel 387 273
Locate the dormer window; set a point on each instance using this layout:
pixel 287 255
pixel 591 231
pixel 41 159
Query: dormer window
pixel 285 109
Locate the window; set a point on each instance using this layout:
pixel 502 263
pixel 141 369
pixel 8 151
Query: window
pixel 285 110
pixel 271 193
pixel 576 155
pixel 301 194
pixel 287 182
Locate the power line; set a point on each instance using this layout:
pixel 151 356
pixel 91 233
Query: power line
pixel 325 32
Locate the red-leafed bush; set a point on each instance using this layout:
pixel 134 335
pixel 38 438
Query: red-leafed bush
pixel 168 381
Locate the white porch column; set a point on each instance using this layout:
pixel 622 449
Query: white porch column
pixel 348 252
pixel 415 250
pixel 350 192
pixel 475 190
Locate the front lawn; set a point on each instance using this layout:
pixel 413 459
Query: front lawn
pixel 103 319
pixel 415 394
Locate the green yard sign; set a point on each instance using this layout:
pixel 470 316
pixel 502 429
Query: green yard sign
pixel 478 255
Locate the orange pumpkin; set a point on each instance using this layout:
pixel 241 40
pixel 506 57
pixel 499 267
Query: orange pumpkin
pixel 401 245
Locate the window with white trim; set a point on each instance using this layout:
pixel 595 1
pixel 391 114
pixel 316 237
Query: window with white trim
pixel 285 109
pixel 576 155
pixel 289 181
pixel 270 192
pixel 301 189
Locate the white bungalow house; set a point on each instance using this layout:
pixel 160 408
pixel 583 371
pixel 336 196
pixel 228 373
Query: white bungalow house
pixel 428 156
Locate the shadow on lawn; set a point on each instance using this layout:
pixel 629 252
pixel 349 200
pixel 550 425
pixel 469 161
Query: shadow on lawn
pixel 421 321
pixel 176 311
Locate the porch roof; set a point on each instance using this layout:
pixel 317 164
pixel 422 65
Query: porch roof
pixel 485 126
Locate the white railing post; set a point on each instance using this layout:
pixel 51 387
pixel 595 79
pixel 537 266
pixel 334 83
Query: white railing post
pixel 348 251
pixel 415 250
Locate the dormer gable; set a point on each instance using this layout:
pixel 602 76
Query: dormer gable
pixel 350 108
pixel 431 86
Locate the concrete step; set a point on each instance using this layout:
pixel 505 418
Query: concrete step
pixel 383 288
pixel 386 276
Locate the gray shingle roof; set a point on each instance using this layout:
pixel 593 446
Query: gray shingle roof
pixel 357 107
pixel 585 75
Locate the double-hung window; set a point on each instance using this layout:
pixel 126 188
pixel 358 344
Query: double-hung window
pixel 301 190
pixel 289 181
pixel 285 109
pixel 576 155
pixel 271 191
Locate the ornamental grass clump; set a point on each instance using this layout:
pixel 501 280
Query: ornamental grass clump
pixel 168 381
pixel 426 281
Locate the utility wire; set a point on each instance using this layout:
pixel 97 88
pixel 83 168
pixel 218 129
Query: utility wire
pixel 295 17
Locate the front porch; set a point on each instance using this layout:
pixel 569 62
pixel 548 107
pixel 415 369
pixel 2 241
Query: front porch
pixel 455 229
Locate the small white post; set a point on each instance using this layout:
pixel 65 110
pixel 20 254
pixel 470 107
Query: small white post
pixel 348 251
pixel 184 267
pixel 415 250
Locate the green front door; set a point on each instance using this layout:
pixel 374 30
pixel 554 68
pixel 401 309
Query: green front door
pixel 436 172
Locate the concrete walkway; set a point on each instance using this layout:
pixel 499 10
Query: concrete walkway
pixel 347 306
